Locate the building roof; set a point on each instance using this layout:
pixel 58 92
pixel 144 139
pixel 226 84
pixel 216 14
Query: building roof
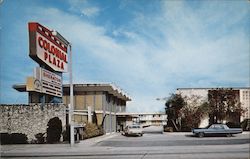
pixel 208 88
pixel 110 88
pixel 20 87
pixel 153 113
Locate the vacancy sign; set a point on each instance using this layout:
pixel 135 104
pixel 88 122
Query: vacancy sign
pixel 45 48
pixel 51 83
pixel 45 81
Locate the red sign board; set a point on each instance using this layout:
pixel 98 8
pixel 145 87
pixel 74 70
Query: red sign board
pixel 45 48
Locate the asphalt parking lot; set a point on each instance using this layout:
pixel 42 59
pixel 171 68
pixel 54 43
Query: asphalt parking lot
pixel 173 139
pixel 149 146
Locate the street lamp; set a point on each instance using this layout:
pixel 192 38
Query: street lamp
pixel 71 105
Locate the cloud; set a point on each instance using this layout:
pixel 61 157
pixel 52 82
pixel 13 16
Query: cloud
pixel 84 8
pixel 89 12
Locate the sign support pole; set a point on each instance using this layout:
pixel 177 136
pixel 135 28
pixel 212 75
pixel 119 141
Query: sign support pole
pixel 71 108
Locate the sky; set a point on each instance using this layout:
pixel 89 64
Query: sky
pixel 146 47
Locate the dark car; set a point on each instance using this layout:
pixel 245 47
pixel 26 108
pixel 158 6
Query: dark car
pixel 216 130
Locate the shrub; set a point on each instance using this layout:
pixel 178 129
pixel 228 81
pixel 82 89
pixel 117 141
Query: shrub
pixel 245 125
pixel 233 125
pixel 40 138
pixel 168 129
pixel 54 130
pixel 14 138
pixel 101 130
pixel 92 130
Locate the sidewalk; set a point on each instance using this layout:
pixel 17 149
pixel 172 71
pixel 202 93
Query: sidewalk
pixel 95 140
pixel 43 150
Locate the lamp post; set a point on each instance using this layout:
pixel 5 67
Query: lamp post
pixel 71 105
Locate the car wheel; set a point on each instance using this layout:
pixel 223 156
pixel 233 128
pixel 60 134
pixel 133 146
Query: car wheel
pixel 201 134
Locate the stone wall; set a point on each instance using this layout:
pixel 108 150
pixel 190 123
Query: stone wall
pixel 30 119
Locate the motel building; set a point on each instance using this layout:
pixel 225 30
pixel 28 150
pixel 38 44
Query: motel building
pixel 143 119
pixel 106 100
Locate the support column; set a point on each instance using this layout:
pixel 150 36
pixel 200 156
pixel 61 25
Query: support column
pixel 89 115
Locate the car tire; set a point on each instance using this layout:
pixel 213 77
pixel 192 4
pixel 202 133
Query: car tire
pixel 201 134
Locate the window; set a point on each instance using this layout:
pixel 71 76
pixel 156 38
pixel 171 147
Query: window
pixel 218 127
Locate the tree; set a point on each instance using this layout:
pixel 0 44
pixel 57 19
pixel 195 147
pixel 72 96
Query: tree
pixel 193 112
pixel 225 105
pixel 173 106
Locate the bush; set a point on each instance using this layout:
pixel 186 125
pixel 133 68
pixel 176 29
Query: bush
pixel 40 138
pixel 101 130
pixel 92 130
pixel 186 129
pixel 168 129
pixel 245 125
pixel 54 130
pixel 233 125
pixel 14 138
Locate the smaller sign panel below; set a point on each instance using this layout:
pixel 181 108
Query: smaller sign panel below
pixel 51 82
pixel 45 82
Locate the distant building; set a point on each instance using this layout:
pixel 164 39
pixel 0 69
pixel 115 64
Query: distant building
pixel 106 100
pixel 243 94
pixel 144 119
pixel 153 118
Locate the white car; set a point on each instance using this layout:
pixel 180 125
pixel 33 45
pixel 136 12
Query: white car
pixel 133 130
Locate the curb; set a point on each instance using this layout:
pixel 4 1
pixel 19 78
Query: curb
pixel 177 133
pixel 95 140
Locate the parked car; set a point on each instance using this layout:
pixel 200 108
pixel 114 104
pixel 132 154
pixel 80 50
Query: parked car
pixel 216 130
pixel 133 130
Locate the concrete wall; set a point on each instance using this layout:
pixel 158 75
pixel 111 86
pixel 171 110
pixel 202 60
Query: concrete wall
pixel 29 119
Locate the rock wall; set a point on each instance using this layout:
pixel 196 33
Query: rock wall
pixel 30 119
